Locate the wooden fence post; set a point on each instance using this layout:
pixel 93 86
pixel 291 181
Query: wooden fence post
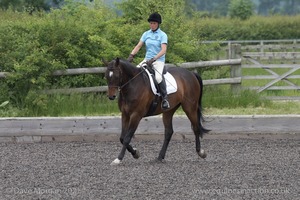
pixel 235 70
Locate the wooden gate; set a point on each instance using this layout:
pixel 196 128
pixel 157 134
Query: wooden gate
pixel 280 63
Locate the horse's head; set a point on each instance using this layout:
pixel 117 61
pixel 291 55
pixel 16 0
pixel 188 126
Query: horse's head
pixel 113 76
pixel 119 73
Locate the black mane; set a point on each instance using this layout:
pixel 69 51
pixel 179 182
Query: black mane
pixel 129 68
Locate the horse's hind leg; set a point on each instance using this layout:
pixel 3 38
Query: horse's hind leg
pixel 196 127
pixel 167 120
pixel 199 151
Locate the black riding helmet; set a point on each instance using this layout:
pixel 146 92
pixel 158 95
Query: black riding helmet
pixel 155 17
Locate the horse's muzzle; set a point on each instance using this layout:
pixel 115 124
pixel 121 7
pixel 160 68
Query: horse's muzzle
pixel 112 93
pixel 112 97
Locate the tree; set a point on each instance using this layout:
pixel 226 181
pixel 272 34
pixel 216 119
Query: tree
pixel 242 9
pixel 136 10
pixel 5 4
pixel 29 5
pixel 183 44
pixel 266 7
pixel 215 7
pixel 291 7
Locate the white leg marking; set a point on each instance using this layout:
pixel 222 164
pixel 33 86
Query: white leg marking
pixel 116 162
pixel 202 151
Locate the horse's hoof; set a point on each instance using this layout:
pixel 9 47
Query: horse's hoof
pixel 157 160
pixel 137 154
pixel 202 154
pixel 117 161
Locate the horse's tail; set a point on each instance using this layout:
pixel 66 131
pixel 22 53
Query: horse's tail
pixel 200 114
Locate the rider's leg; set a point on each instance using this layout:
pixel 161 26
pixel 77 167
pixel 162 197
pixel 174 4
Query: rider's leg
pixel 159 67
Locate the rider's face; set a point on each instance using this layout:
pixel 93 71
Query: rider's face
pixel 153 25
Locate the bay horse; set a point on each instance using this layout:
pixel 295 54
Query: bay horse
pixel 136 97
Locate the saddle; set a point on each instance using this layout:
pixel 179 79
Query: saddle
pixel 171 86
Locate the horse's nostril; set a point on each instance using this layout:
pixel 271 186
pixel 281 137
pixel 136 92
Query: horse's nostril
pixel 112 97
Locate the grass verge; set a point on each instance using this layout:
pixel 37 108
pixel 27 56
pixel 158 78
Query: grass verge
pixel 216 101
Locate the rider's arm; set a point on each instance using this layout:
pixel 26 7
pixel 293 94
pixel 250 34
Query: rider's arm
pixel 162 51
pixel 137 48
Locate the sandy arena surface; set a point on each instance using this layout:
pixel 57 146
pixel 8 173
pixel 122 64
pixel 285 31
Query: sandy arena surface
pixel 236 168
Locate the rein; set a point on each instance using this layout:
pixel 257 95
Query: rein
pixel 120 80
pixel 130 80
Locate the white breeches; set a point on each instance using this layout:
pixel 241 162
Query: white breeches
pixel 158 67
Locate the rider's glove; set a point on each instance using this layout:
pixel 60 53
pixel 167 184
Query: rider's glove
pixel 130 57
pixel 150 62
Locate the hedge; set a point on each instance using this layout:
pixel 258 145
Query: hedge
pixel 256 28
pixel 33 46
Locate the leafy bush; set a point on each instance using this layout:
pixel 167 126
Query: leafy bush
pixel 255 28
pixel 32 49
pixel 183 45
pixel 242 9
pixel 80 35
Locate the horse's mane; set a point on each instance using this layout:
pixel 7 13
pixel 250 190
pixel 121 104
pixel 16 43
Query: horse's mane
pixel 129 68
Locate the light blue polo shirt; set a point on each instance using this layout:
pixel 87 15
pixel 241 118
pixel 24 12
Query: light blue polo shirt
pixel 153 41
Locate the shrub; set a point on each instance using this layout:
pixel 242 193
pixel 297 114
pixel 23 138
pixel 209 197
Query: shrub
pixel 80 35
pixel 242 9
pixel 32 49
pixel 255 28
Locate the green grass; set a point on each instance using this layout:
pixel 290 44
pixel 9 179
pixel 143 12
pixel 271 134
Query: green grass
pixel 263 82
pixel 66 105
pixel 222 97
pixel 217 100
pixel 224 72
pixel 80 105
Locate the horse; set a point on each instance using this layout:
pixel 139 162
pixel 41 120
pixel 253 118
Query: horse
pixel 136 97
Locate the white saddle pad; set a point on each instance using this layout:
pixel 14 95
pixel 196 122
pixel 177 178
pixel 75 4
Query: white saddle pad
pixel 170 83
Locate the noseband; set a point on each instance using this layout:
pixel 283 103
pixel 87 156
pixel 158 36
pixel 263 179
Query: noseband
pixel 120 86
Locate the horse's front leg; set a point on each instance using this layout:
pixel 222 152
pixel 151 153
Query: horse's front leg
pixel 126 145
pixel 134 152
pixel 127 123
pixel 128 129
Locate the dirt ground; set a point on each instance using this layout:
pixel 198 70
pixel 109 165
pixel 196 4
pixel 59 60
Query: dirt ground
pixel 237 167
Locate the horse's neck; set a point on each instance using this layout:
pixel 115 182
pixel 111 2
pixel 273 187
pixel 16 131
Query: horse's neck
pixel 130 73
pixel 134 81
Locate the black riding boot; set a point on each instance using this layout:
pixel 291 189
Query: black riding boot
pixel 163 91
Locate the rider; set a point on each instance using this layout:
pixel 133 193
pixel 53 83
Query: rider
pixel 156 47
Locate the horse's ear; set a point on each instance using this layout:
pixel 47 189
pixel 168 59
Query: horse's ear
pixel 105 62
pixel 117 61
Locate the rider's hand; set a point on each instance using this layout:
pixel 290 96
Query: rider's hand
pixel 130 57
pixel 150 62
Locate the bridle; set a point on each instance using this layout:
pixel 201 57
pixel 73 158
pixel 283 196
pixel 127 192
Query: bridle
pixel 120 86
